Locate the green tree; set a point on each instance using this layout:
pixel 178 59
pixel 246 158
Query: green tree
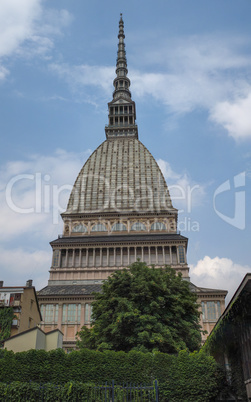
pixel 6 317
pixel 146 309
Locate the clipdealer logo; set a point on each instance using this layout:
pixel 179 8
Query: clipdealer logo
pixel 238 220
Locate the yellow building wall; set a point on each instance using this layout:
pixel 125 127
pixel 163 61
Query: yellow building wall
pixel 22 343
pixel 35 339
pixel 30 316
pixel 54 340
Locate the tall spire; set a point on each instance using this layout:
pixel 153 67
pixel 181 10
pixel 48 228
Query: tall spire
pixel 122 111
pixel 121 67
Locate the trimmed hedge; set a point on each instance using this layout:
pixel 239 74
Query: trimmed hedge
pixel 72 391
pixel 22 391
pixel 186 376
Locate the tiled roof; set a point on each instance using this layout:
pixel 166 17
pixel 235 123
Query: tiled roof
pixel 198 289
pixel 121 175
pixel 119 238
pixel 212 290
pixel 63 290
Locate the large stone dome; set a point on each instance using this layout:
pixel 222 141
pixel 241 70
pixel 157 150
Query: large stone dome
pixel 121 175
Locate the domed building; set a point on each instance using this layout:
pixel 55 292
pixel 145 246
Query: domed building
pixel 119 211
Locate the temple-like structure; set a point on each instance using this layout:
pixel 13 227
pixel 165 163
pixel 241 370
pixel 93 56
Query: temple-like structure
pixel 119 211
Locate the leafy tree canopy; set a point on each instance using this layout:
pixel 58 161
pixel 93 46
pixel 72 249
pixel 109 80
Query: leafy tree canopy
pixel 146 309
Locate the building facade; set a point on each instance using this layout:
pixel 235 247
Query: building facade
pixel 119 210
pixel 24 302
pixel 230 341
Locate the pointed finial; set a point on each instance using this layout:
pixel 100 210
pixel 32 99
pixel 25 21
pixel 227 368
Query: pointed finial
pixel 121 82
pixel 122 112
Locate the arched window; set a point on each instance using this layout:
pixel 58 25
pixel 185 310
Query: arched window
pixel 158 226
pixel 99 227
pixel 118 227
pixel 138 226
pixel 79 229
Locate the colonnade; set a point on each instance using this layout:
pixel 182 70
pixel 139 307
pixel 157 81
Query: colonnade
pixel 119 256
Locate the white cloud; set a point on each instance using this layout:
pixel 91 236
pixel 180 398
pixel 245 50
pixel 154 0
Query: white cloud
pixel 194 72
pixel 33 192
pixel 16 23
pixel 3 73
pixel 190 73
pixel 19 265
pixel 234 116
pixel 85 75
pixel 206 72
pixel 185 193
pixel 218 273
pixel 41 182
pixel 28 29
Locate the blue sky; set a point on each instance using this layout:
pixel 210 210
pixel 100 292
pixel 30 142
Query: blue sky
pixel 190 70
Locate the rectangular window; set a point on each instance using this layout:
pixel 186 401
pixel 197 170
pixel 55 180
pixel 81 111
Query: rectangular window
pixel 203 310
pixel 211 311
pixel 55 261
pixel 64 314
pixel 218 309
pixel 87 313
pixel 78 313
pixel 71 317
pixel 56 312
pixel 47 311
pixel 181 254
pixel 90 311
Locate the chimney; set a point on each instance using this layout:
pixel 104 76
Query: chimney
pixel 1 284
pixel 29 283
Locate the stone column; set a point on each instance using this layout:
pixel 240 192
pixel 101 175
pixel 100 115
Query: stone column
pixel 142 254
pixel 60 312
pixel 80 257
pixel 94 257
pixel 82 316
pixel 66 314
pixel 170 253
pixel 164 256
pixel 114 256
pixel 66 257
pixel 107 257
pixel 87 313
pixel 87 258
pixel 73 258
pixel 149 254
pixel 59 259
pixel 100 256
pixel 156 253
pixel 128 255
pixel 121 256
